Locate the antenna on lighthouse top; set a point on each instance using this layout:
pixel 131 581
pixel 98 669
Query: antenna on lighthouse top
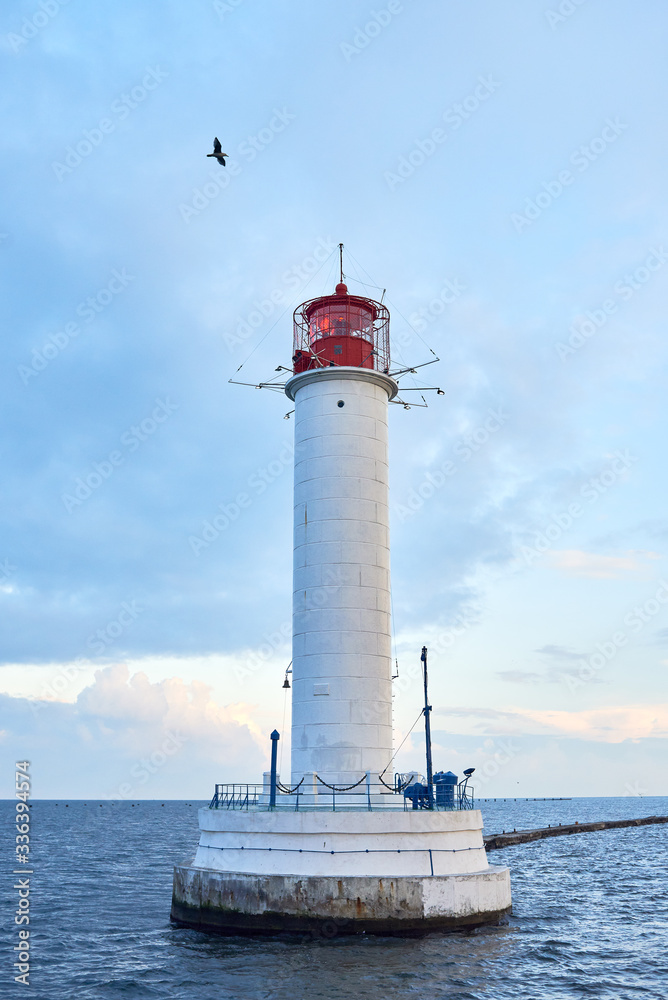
pixel 341 261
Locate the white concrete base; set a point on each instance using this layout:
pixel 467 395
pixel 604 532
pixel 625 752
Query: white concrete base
pixel 239 903
pixel 322 842
pixel 386 872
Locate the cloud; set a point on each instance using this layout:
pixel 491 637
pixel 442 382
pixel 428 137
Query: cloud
pixel 575 562
pixel 551 673
pixel 559 652
pixel 133 707
pixel 607 725
pixel 154 739
pixel 519 676
pixel 547 765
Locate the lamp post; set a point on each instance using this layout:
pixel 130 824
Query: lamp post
pixel 275 737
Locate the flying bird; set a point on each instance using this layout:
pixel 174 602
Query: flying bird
pixel 218 153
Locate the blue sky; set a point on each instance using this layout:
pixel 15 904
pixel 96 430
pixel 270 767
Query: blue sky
pixel 500 170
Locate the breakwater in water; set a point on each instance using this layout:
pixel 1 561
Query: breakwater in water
pixel 498 840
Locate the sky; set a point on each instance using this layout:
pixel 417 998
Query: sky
pixel 497 171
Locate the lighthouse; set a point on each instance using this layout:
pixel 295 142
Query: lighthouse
pixel 341 663
pixel 344 845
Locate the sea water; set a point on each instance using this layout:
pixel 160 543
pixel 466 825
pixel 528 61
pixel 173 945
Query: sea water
pixel 590 915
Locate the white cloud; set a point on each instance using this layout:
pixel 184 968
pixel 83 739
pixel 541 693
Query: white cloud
pixel 575 562
pixel 520 676
pixel 168 738
pixel 133 707
pixel 610 724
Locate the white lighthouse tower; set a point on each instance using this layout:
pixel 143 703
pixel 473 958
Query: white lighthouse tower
pixel 341 666
pixel 343 847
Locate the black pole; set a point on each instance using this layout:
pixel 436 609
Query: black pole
pixel 427 730
pixel 275 737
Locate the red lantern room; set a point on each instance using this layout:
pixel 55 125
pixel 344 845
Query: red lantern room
pixel 341 330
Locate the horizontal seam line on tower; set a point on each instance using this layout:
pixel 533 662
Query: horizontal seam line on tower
pixel 371 850
pixel 353 520
pixel 337 631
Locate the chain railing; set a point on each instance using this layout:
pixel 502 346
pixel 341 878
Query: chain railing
pixel 409 792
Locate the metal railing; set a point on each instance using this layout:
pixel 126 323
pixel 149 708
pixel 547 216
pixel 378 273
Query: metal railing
pixel 465 796
pixel 235 796
pixel 364 795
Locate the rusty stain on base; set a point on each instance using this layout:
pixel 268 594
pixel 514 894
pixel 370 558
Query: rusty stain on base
pixel 235 903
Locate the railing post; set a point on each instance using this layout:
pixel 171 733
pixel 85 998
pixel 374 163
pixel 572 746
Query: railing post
pixel 275 737
pixel 368 789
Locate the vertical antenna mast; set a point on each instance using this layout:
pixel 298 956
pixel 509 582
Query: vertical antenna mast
pixel 341 261
pixel 427 730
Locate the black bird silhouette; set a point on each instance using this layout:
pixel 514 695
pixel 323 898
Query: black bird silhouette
pixel 218 153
